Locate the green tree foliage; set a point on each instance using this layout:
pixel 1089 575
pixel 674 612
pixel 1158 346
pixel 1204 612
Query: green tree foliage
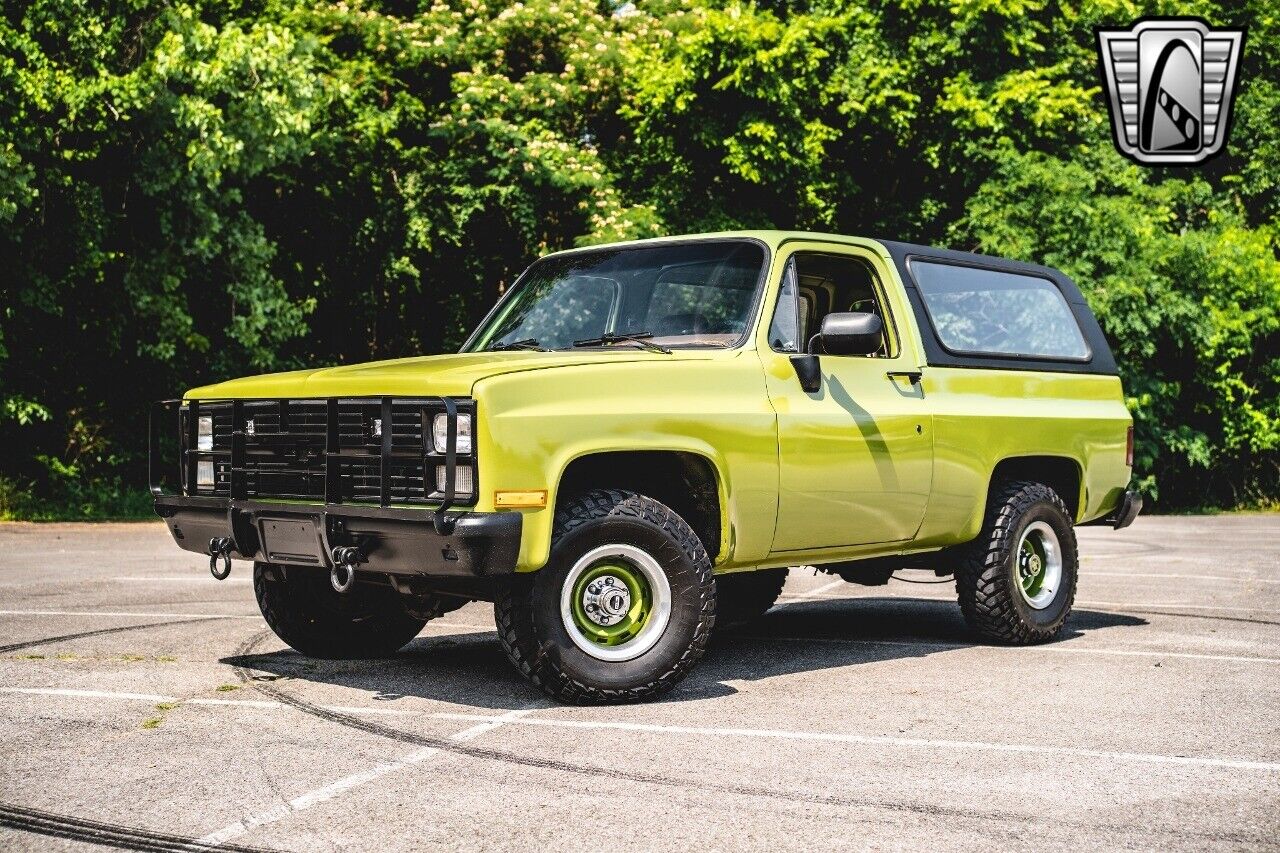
pixel 198 190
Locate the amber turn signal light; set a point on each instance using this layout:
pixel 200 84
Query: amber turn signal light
pixel 522 500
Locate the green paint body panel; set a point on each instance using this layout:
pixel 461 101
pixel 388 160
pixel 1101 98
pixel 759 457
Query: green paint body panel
pixel 868 466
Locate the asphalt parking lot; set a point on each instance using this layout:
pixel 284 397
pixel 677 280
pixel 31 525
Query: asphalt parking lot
pixel 145 704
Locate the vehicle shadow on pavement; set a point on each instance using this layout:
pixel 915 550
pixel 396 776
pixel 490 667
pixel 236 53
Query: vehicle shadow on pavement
pixel 814 635
pixel 471 669
pixel 464 669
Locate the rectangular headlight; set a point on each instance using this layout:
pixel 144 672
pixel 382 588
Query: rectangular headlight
pixel 440 433
pixel 464 480
pixel 204 474
pixel 204 432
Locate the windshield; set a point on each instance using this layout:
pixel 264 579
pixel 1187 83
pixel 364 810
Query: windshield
pixel 690 295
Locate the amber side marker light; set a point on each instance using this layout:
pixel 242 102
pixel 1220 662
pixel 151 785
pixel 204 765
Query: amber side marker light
pixel 1128 448
pixel 523 500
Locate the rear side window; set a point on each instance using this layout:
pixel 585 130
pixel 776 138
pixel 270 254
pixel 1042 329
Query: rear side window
pixel 985 312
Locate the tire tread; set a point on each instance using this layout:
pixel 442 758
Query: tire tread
pixel 515 621
pixel 985 593
pixel 327 635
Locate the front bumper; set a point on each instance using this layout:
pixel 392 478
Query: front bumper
pixel 393 541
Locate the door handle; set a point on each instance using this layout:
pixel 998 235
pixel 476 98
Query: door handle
pixel 914 375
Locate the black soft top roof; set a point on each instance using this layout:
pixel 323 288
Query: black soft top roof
pixel 1101 360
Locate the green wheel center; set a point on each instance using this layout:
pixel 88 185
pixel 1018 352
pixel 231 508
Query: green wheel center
pixel 611 602
pixel 1032 562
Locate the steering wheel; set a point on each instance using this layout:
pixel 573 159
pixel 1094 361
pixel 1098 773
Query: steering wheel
pixel 688 323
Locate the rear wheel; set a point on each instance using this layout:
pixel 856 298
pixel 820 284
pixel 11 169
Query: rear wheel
pixel 623 608
pixel 1017 581
pixel 743 597
pixel 368 621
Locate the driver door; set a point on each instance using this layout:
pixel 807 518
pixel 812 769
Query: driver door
pixel 855 456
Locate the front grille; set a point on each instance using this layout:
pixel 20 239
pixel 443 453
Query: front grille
pixel 371 450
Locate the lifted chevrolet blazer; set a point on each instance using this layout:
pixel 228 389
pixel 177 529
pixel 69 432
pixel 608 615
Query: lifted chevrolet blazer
pixel 640 438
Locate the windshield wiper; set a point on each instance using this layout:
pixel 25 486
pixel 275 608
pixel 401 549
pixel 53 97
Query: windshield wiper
pixel 527 343
pixel 609 338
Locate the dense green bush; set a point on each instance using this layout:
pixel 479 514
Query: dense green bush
pixel 197 190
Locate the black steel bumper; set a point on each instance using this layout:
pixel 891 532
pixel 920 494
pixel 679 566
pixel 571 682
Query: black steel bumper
pixel 1127 510
pixel 394 541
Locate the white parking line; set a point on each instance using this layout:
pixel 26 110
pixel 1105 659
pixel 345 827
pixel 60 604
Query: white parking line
pixel 879 740
pixel 851 596
pixel 127 613
pixel 1233 578
pixel 475 625
pixel 1137 605
pixel 1151 556
pixel 89 694
pixel 158 699
pixel 114 613
pixel 339 786
pixel 488 722
pixel 1183 604
pixel 821 590
pixel 1058 648
pixel 826 586
pixel 201 577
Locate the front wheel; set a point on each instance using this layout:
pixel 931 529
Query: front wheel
pixel 622 610
pixel 1017 581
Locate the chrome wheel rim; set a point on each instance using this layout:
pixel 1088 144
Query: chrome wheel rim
pixel 615 602
pixel 1038 565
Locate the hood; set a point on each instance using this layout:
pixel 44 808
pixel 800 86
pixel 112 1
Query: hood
pixel 422 376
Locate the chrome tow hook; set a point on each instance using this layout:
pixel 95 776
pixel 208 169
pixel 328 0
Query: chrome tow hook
pixel 220 547
pixel 343 573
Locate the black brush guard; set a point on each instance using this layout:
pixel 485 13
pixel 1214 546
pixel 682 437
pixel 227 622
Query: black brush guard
pixel 316 523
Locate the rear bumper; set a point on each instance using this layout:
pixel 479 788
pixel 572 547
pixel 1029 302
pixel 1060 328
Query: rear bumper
pixel 1127 510
pixel 393 541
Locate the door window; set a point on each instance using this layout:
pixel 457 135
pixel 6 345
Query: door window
pixel 815 285
pixel 784 331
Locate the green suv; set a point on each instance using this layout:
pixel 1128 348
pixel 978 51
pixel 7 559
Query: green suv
pixel 640 438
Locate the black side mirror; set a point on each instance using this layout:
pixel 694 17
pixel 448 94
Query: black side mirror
pixel 850 333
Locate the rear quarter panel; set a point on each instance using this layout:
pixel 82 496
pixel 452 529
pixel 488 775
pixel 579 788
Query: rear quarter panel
pixel 984 416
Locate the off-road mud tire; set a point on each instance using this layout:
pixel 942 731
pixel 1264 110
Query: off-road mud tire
pixel 527 606
pixel 986 577
pixel 368 621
